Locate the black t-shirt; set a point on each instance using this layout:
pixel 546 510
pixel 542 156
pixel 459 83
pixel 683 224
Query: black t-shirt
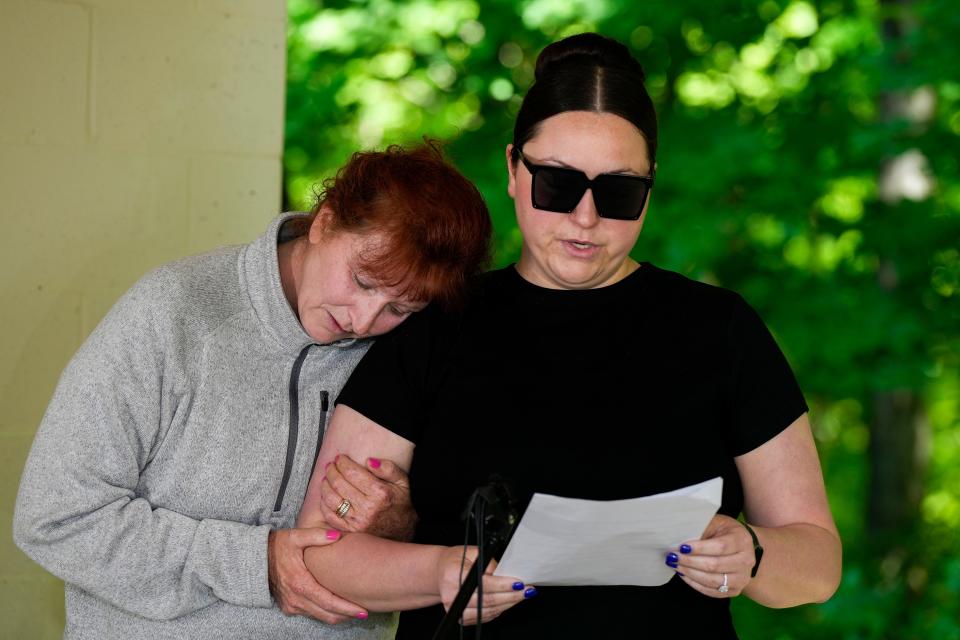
pixel 648 385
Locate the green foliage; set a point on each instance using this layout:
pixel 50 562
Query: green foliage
pixel 784 124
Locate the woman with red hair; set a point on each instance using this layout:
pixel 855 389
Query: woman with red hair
pixel 165 479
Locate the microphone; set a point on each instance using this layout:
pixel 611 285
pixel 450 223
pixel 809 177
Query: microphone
pixel 493 510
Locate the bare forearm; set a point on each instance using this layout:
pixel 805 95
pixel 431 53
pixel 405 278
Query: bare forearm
pixel 801 564
pixel 378 574
pixel 310 513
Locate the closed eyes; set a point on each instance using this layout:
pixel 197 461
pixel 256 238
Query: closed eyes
pixel 391 308
pixel 366 286
pixel 400 313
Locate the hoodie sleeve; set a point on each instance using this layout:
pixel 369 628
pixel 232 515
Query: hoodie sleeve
pixel 78 512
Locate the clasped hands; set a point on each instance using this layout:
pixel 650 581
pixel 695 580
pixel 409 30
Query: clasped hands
pixel 379 504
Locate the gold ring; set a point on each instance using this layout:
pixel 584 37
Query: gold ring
pixel 343 508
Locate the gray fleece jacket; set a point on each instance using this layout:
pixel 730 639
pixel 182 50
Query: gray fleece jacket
pixel 184 430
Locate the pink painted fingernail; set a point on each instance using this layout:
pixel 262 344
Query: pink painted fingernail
pixel 336 457
pixel 374 462
pixel 363 615
pixel 333 534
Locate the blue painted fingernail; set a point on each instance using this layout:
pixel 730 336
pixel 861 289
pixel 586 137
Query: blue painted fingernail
pixel 672 557
pixel 678 573
pixel 672 565
pixel 530 592
pixel 685 548
pixel 517 586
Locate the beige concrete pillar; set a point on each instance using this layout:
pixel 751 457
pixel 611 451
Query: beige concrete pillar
pixel 131 133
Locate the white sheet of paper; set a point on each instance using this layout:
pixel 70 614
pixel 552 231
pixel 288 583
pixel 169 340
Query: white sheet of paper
pixel 567 541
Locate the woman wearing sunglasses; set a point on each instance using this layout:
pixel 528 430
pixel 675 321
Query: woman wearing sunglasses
pixel 579 372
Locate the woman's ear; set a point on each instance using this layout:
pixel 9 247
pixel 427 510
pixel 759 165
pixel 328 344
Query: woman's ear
pixel 511 173
pixel 320 225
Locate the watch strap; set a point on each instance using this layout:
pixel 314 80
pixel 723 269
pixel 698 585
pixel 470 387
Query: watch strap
pixel 757 549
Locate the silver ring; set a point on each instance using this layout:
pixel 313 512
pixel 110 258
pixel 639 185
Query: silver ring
pixel 345 506
pixel 723 588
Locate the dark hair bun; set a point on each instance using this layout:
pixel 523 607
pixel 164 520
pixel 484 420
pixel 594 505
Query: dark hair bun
pixel 587 72
pixel 587 49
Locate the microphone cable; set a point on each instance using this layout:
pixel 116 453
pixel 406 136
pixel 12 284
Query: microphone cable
pixel 476 511
pixel 493 511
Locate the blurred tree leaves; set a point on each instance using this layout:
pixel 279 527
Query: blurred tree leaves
pixel 808 159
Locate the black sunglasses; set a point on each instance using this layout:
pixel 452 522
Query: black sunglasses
pixel 616 196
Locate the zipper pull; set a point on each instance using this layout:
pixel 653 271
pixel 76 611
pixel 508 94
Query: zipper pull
pixel 322 427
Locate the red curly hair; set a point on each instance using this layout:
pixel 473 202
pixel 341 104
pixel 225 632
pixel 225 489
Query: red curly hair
pixel 436 226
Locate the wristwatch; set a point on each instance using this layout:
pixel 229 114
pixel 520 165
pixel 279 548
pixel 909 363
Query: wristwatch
pixel 757 550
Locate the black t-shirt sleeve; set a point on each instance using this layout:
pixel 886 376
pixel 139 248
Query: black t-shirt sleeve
pixel 389 385
pixel 764 395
